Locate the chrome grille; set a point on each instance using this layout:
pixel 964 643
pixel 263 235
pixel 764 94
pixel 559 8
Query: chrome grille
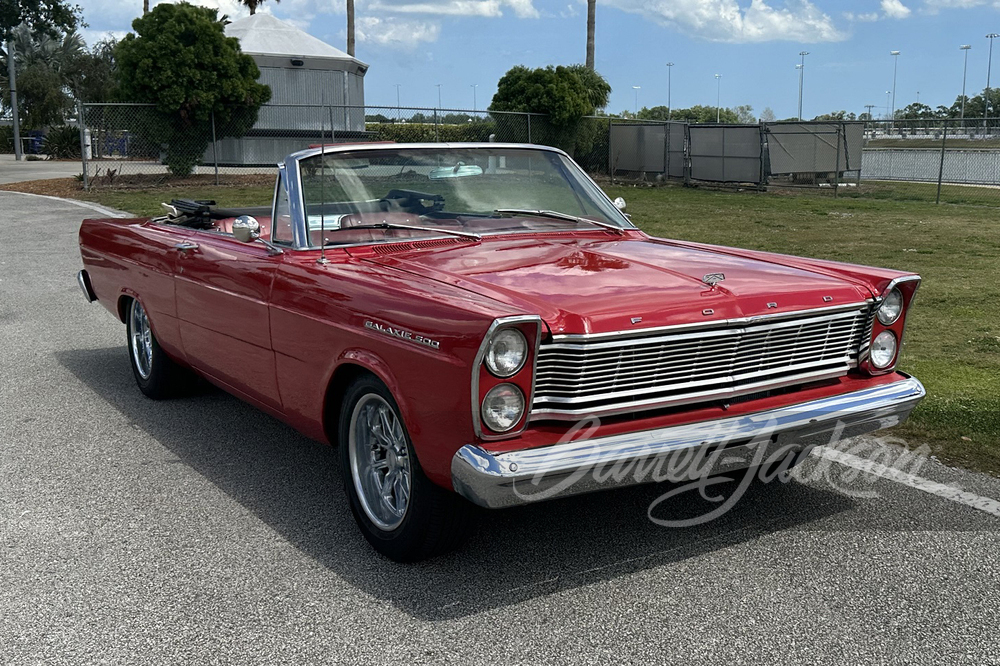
pixel 631 371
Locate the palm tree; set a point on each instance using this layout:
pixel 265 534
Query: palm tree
pixel 145 7
pixel 591 12
pixel 252 5
pixel 350 27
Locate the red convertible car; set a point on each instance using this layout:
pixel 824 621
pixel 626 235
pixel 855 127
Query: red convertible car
pixel 481 324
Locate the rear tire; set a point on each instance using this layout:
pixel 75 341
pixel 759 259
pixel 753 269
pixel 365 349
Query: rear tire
pixel 401 513
pixel 156 374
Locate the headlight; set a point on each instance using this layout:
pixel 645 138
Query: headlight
pixel 507 353
pixel 891 308
pixel 503 407
pixel 883 349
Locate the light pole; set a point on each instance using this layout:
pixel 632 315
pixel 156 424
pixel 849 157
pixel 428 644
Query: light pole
pixel 474 103
pixel 965 70
pixel 398 110
pixel 718 98
pixel 439 95
pixel 636 89
pixel 802 70
pixel 670 69
pixel 895 61
pixel 989 66
pixel 887 93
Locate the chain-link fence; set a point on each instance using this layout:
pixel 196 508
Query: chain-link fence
pixel 132 144
pixel 948 161
pixel 942 160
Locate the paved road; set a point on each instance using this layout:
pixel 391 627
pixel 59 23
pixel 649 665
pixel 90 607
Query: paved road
pixel 13 171
pixel 201 530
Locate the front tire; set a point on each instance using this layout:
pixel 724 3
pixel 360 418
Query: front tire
pixel 156 374
pixel 401 513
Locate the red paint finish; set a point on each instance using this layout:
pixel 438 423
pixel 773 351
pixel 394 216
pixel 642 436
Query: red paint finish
pixel 278 330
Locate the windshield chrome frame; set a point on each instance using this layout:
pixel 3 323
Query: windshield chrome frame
pixel 293 184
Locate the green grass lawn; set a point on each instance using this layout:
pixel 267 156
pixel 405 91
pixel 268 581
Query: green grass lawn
pixel 953 334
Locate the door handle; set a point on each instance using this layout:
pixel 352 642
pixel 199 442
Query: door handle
pixel 186 246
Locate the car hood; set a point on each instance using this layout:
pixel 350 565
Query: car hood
pixel 584 284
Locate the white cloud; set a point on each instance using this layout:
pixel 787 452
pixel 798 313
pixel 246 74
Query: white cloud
pixel 396 33
pixel 482 8
pixel 868 17
pixel 727 21
pixel 895 9
pixel 933 6
pixel 570 11
pixel 91 37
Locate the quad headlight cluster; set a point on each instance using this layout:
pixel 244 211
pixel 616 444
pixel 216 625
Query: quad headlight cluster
pixel 886 344
pixel 503 405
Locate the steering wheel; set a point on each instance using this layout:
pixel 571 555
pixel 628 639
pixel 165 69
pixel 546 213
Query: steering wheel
pixel 411 201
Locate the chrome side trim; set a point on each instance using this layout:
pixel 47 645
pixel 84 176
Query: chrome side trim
pixel 83 279
pixel 507 479
pixel 500 322
pixel 896 281
pixel 718 323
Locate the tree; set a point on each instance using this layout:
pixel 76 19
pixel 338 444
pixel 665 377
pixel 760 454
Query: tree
pixel 745 115
pixel 92 76
pixel 180 60
pixel 837 115
pixel 47 16
pixel 591 23
pixel 252 5
pixel 767 115
pixel 696 114
pixel 564 94
pixel 350 28
pixel 43 66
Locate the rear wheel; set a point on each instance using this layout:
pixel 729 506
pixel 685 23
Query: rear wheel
pixel 401 513
pixel 156 374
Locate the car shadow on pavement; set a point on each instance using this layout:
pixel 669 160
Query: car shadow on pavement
pixel 293 485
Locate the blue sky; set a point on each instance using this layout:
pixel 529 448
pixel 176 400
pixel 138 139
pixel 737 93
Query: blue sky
pixel 753 44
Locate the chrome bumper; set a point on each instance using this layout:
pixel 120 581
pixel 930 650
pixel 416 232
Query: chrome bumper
pixel 83 280
pixel 715 447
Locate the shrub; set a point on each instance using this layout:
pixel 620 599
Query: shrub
pixel 6 139
pixel 62 142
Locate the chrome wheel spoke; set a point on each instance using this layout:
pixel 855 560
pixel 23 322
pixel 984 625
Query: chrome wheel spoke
pixel 380 462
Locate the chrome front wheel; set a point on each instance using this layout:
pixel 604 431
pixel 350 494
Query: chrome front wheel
pixel 380 462
pixel 141 340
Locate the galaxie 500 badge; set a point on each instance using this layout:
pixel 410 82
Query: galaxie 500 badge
pixel 402 334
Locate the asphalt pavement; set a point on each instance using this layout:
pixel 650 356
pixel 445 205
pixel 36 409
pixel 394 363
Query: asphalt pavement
pixel 14 171
pixel 200 530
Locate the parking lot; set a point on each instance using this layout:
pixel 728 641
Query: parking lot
pixel 200 529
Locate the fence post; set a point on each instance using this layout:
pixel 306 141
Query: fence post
pixel 83 144
pixel 944 140
pixel 332 135
pixel 836 173
pixel 611 152
pixel 437 131
pixel 528 116
pixel 215 150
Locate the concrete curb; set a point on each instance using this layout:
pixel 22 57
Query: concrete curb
pixel 106 212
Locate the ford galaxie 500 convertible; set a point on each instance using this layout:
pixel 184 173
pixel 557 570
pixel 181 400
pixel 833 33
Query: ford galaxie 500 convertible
pixel 480 324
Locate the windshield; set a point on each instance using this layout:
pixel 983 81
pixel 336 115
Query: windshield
pixel 375 195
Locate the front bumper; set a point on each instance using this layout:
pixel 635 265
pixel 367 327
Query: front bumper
pixel 688 451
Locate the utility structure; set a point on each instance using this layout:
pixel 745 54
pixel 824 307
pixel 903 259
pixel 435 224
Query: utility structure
pixel 16 124
pixel 439 94
pixel 718 98
pixel 802 68
pixel 965 70
pixel 670 69
pixel 989 66
pixel 895 62
pixel 636 89
pixel 474 86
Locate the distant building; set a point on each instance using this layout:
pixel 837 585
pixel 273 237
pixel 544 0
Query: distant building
pixel 301 70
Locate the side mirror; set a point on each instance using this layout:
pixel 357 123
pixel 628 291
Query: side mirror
pixel 246 229
pixel 620 204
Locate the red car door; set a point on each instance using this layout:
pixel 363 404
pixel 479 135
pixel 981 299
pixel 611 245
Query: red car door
pixel 223 287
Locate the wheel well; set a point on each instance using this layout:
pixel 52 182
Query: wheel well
pixel 123 304
pixel 342 378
